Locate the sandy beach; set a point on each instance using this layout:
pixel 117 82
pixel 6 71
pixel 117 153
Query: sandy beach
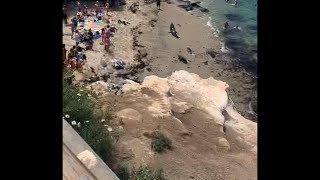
pixel 147 48
pixel 149 30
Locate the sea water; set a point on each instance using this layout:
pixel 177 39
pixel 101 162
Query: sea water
pixel 242 42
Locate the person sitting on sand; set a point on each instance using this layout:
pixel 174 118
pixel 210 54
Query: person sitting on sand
pixel 80 17
pixel 73 63
pixel 158 4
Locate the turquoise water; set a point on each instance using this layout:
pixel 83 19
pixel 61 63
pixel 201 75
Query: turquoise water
pixel 242 43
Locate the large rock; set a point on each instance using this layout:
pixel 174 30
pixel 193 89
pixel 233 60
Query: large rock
pixel 129 117
pixel 99 87
pixel 206 94
pixel 222 144
pixel 79 77
pixel 241 130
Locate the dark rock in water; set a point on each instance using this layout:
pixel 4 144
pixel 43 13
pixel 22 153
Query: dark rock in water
pixel 233 17
pixel 205 63
pixel 196 4
pixel 148 69
pixel 143 53
pixel 203 9
pixel 187 7
pixel 211 52
pixel 182 59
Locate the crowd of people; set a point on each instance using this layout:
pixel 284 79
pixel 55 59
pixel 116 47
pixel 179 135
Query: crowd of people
pixel 75 58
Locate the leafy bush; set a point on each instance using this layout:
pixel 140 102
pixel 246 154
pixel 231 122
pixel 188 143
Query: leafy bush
pixel 160 143
pixel 122 172
pixel 144 173
pixel 79 108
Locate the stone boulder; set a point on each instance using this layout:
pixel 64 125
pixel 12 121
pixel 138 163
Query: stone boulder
pixel 206 94
pixel 99 87
pixel 222 144
pixel 241 130
pixel 129 117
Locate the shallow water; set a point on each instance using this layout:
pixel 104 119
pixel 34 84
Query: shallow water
pixel 243 43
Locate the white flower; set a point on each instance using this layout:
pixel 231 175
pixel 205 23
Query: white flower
pixel 86 121
pixel 81 90
pixel 105 125
pixel 78 94
pixel 89 95
pixel 79 125
pixel 109 129
pixel 67 116
pixel 103 120
pixel 73 123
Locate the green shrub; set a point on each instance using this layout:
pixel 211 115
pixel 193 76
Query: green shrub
pixel 122 172
pixel 81 109
pixel 160 143
pixel 144 173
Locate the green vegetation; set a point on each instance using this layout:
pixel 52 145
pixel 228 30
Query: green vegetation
pixel 160 143
pixel 144 173
pixel 122 172
pixel 78 110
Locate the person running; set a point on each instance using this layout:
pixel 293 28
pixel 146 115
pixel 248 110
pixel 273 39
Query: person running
pixel 65 18
pixel 158 4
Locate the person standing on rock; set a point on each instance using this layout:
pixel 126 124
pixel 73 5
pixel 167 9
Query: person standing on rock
pixel 158 4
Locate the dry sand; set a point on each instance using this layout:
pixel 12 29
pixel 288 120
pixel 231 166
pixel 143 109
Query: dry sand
pixel 149 27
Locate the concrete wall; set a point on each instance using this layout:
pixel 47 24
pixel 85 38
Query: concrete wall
pixel 80 161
